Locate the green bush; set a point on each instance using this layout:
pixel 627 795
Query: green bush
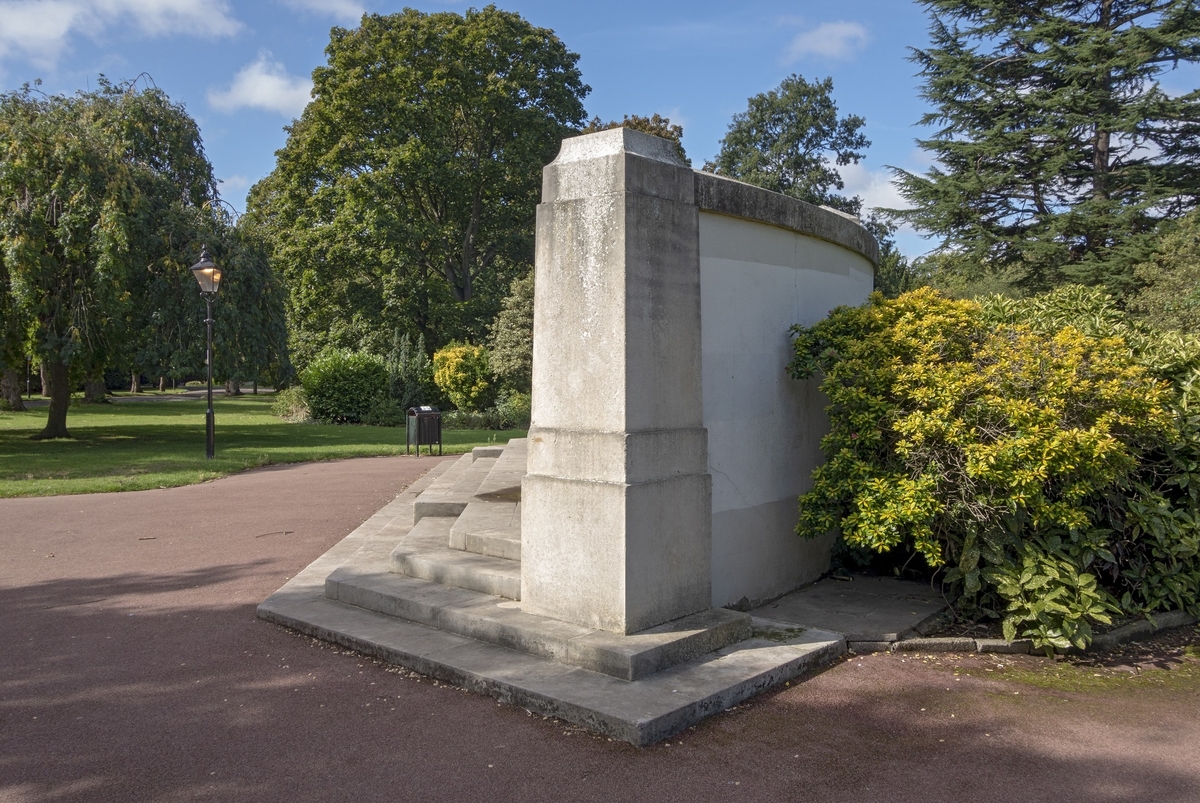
pixel 511 411
pixel 1170 294
pixel 343 386
pixel 1043 452
pixel 291 403
pixel 460 371
pixel 385 412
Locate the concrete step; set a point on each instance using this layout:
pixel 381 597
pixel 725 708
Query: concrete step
pixel 425 554
pixel 639 712
pixel 364 583
pixel 606 683
pixel 449 494
pixel 489 528
pixel 491 523
pixel 503 482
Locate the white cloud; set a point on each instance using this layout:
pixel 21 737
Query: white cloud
pixel 875 187
pixel 264 84
pixel 161 17
pixel 37 29
pixel 40 30
pixel 347 10
pixel 836 40
pixel 235 183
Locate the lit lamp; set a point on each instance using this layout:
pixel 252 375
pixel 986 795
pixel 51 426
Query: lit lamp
pixel 208 274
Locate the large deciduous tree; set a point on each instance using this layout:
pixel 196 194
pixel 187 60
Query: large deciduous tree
pixel 404 197
pixel 656 125
pixel 105 199
pixel 1058 150
pixel 791 140
pixel 79 177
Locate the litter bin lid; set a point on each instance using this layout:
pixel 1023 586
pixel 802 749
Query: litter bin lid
pixel 422 409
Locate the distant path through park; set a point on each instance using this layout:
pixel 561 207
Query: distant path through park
pixel 133 669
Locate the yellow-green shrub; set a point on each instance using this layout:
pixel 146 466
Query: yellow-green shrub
pixel 1027 455
pixel 460 370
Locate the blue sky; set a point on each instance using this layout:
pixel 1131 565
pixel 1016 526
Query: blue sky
pixel 242 68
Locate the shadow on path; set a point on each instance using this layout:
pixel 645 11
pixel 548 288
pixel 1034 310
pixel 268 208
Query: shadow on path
pixel 136 670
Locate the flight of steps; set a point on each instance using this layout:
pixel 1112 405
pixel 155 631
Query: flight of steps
pixel 467 525
pixel 432 582
pixel 453 563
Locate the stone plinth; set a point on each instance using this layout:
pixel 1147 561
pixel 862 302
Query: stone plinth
pixel 617 502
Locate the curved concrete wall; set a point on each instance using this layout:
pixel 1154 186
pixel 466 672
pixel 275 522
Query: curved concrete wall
pixel 764 428
pixel 667 445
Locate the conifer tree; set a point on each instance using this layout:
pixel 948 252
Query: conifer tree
pixel 1058 151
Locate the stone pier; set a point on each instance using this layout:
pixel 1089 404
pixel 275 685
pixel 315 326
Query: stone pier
pixel 616 507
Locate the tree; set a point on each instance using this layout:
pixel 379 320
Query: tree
pixel 656 126
pixel 791 140
pixel 1170 298
pixel 250 333
pixel 405 194
pixel 105 199
pixel 12 343
pixel 510 343
pixel 410 373
pixel 1058 151
pixel 893 275
pixel 76 184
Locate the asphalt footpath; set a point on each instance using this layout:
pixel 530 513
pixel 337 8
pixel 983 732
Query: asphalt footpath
pixel 132 668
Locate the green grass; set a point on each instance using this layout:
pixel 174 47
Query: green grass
pixel 140 445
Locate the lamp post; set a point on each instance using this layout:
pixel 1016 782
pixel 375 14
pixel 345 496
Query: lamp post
pixel 208 274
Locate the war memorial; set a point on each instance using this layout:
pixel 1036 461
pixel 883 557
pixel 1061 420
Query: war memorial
pixel 601 570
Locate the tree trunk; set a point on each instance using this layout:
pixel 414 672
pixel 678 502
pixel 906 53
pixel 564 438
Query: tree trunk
pixel 10 390
pixel 60 399
pixel 233 387
pixel 256 387
pixel 94 390
pixel 162 384
pixel 135 382
pixel 45 380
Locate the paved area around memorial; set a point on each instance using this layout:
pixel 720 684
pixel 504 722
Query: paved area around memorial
pixel 134 668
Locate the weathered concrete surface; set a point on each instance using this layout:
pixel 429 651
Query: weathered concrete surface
pixel 450 493
pixel 364 582
pixel 731 198
pixel 616 506
pixel 661 323
pixel 866 609
pixel 640 712
pixel 764 429
pixel 426 554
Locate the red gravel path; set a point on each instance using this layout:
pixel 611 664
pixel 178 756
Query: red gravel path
pixel 133 668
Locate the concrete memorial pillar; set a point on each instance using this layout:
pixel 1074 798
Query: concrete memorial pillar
pixel 617 502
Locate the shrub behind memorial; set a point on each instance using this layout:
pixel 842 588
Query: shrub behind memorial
pixel 1043 455
pixel 343 387
pixel 461 372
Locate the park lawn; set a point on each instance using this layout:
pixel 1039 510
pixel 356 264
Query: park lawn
pixel 133 446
